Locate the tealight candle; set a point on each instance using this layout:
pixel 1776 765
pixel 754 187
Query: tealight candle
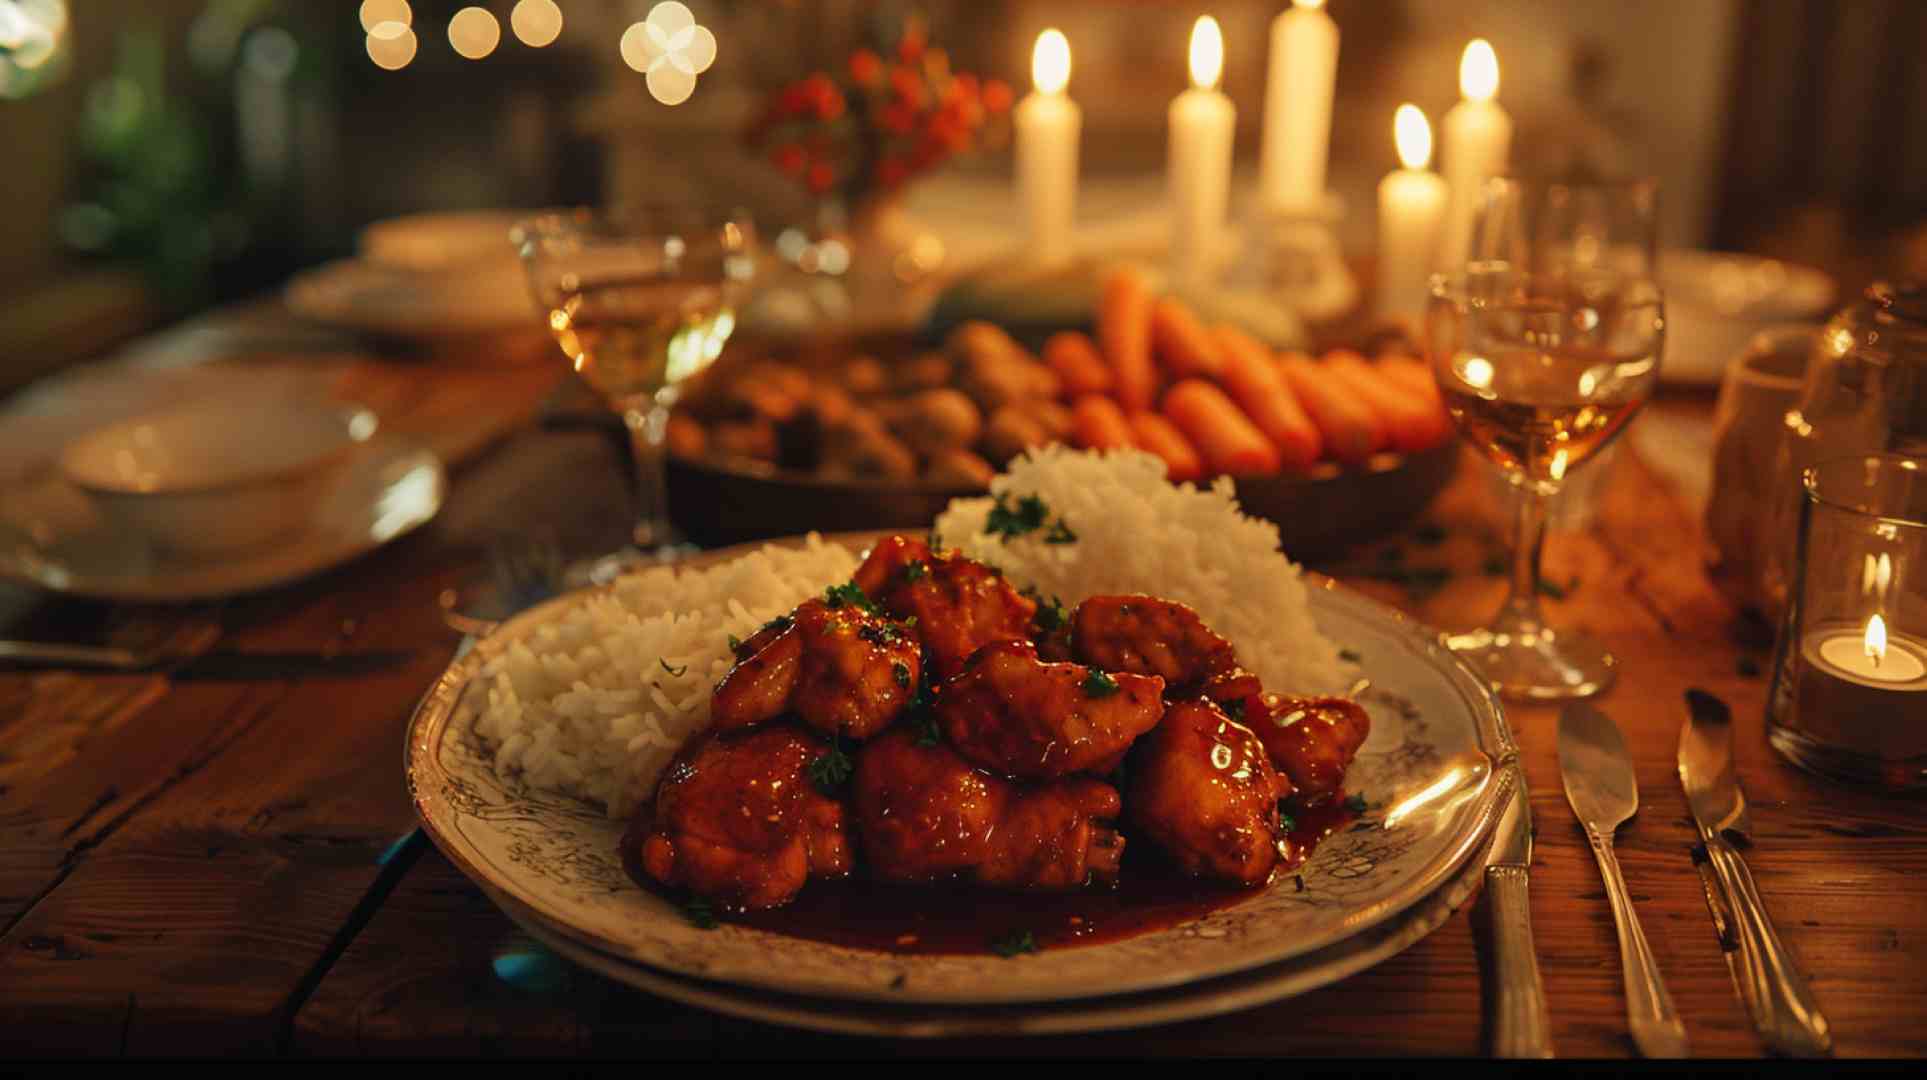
pixel 1864 691
pixel 1411 207
pixel 1298 107
pixel 1047 123
pixel 1203 121
pixel 1477 143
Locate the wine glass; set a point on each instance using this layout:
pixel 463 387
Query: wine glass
pixel 1545 345
pixel 640 299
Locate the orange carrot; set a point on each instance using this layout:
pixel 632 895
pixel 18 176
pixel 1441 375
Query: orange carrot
pixel 1413 374
pixel 1253 380
pixel 1078 364
pixel 1161 437
pixel 1099 424
pixel 1352 431
pixel 1412 423
pixel 1124 331
pixel 1220 432
pixel 1181 341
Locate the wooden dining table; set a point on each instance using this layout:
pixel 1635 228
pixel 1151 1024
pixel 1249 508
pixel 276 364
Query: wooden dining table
pixel 221 857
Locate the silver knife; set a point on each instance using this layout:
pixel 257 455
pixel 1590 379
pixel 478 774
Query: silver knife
pixel 1520 1027
pixel 1775 993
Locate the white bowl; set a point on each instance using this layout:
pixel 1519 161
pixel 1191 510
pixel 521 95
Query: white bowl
pixel 1716 301
pixel 217 476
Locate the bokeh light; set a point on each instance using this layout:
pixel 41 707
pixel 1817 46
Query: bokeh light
pixel 474 33
pixel 536 22
pixel 376 12
pixel 391 46
pixel 670 50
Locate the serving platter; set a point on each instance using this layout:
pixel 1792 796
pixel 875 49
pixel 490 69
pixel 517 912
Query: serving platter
pixel 1207 998
pixel 1438 739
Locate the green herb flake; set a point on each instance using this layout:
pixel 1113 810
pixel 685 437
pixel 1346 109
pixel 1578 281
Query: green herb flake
pixel 676 672
pixel 830 771
pixel 1014 944
pixel 915 571
pixel 1060 533
pixel 1286 823
pixel 781 622
pixel 699 913
pixel 1235 709
pixel 735 644
pixel 1099 685
pixel 1050 616
pixel 902 671
pixel 1356 804
pixel 849 594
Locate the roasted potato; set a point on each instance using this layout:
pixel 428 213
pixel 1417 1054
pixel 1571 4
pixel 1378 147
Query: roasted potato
pixel 1010 432
pixel 959 469
pixel 937 420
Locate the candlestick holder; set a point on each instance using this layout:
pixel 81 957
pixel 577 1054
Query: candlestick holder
pixel 1297 258
pixel 1849 693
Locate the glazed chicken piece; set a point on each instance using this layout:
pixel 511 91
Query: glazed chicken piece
pixel 1203 790
pixel 841 669
pixel 1311 739
pixel 1013 713
pixel 960 605
pixel 1148 636
pixel 924 814
pixel 736 819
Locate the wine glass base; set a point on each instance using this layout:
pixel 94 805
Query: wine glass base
pixel 1537 664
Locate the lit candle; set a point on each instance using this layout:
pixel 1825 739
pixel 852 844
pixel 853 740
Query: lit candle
pixel 1411 206
pixel 1202 123
pixel 1864 689
pixel 1478 139
pixel 1047 124
pixel 1298 107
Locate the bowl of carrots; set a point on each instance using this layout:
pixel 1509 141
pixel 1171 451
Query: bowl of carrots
pixel 1333 448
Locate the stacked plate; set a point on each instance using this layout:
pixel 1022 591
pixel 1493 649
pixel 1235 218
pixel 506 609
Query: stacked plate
pixel 1438 768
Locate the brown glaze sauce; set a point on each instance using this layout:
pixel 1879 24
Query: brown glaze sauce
pixel 943 918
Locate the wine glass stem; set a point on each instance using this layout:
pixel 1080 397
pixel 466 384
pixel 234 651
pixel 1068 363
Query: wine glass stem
pixel 1521 611
pixel 648 420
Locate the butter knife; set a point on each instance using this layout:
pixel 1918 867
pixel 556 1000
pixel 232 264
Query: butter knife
pixel 1520 1028
pixel 1775 993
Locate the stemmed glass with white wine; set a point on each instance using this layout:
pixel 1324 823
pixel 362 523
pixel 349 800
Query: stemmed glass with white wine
pixel 1545 345
pixel 640 300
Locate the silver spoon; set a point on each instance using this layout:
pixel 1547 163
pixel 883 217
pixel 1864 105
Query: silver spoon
pixel 1604 794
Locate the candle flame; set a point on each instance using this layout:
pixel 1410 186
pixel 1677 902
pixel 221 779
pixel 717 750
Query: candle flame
pixel 1308 5
pixel 1479 71
pixel 1050 62
pixel 1207 53
pixel 1413 135
pixel 1876 640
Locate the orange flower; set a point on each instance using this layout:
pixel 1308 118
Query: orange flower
pixel 866 67
pixel 912 45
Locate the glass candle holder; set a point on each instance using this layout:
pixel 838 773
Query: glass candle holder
pixel 1849 694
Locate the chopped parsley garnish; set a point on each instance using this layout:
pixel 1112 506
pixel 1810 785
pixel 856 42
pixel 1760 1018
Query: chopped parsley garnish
pixel 1235 709
pixel 830 771
pixel 1356 804
pixel 1060 533
pixel 781 622
pixel 848 593
pixel 1286 823
pixel 677 672
pixel 735 644
pixel 914 571
pixel 928 733
pixel 699 913
pixel 1014 944
pixel 1027 516
pixel 902 671
pixel 1099 685
pixel 1050 616
pixel 935 543
pixel 1350 656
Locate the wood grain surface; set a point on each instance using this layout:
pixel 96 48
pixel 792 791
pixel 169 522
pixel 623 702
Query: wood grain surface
pixel 204 866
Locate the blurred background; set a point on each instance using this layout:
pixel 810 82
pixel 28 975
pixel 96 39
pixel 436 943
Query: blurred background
pixel 164 156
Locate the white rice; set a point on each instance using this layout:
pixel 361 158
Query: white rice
pixel 585 705
pixel 1137 532
pixel 596 702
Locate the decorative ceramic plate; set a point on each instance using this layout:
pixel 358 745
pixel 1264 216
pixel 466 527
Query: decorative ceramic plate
pixel 52 535
pixel 1211 997
pixel 1437 738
